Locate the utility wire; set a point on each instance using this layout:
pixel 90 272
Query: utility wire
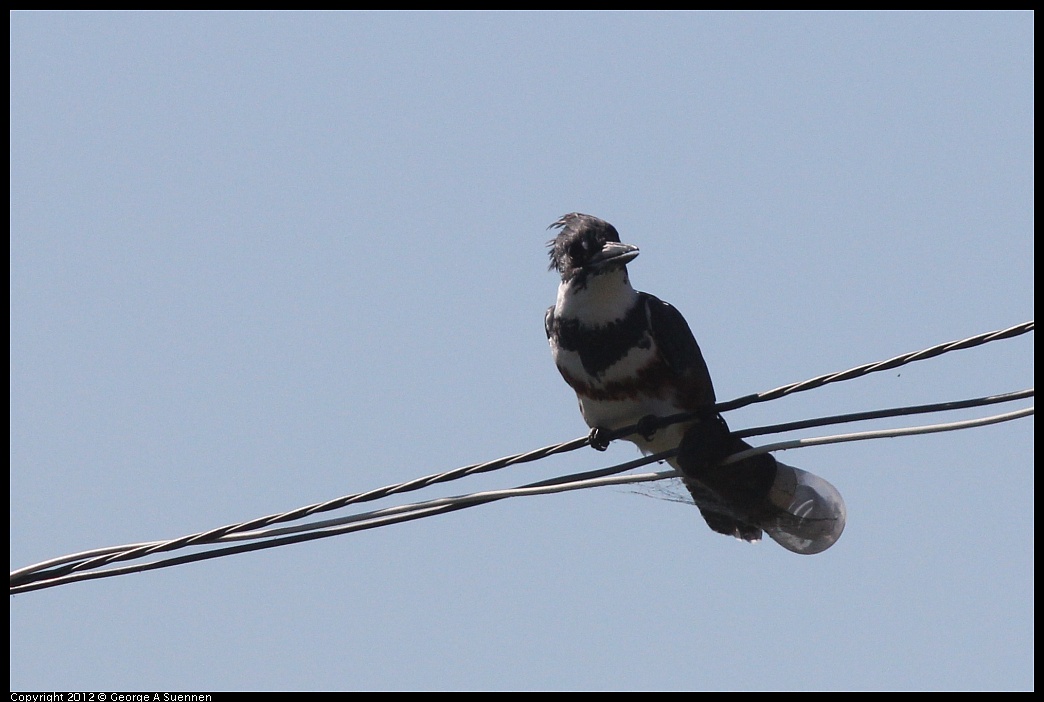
pixel 96 558
pixel 214 535
pixel 881 414
pixel 868 368
pixel 820 381
pixel 597 478
pixel 40 571
pixel 574 482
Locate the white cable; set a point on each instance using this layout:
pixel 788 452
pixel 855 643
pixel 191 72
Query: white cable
pixel 882 434
pixel 82 555
pixel 485 496
pixel 393 514
pixel 490 495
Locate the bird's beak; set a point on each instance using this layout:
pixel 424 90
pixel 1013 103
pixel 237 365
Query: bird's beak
pixel 613 254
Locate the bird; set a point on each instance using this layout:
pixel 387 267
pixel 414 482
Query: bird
pixel 631 358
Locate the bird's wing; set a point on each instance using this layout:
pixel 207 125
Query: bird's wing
pixel 678 346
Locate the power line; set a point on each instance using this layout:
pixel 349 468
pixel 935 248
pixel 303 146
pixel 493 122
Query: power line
pixel 850 374
pixel 573 482
pixel 55 569
pixel 409 512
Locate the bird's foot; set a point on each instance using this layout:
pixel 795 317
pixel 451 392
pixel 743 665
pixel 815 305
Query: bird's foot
pixel 647 426
pixel 599 439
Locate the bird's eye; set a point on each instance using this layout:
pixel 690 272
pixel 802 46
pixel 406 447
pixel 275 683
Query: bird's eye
pixel 584 248
pixel 578 251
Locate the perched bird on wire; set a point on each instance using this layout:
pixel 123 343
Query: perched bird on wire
pixel 631 357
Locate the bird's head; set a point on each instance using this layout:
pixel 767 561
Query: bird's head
pixel 587 246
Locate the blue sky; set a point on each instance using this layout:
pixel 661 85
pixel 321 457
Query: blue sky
pixel 261 260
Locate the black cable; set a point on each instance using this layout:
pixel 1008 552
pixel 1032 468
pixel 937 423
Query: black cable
pixel 66 573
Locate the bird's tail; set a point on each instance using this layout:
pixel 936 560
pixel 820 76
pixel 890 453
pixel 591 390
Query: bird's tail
pixel 799 510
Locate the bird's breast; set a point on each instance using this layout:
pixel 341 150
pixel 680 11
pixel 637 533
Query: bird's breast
pixel 637 384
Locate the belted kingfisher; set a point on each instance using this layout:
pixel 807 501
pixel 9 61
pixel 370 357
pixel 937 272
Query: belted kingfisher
pixel 631 356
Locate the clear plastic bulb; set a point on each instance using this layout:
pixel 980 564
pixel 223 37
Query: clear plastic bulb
pixel 812 511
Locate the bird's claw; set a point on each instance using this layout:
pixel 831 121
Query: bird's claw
pixel 647 426
pixel 599 439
